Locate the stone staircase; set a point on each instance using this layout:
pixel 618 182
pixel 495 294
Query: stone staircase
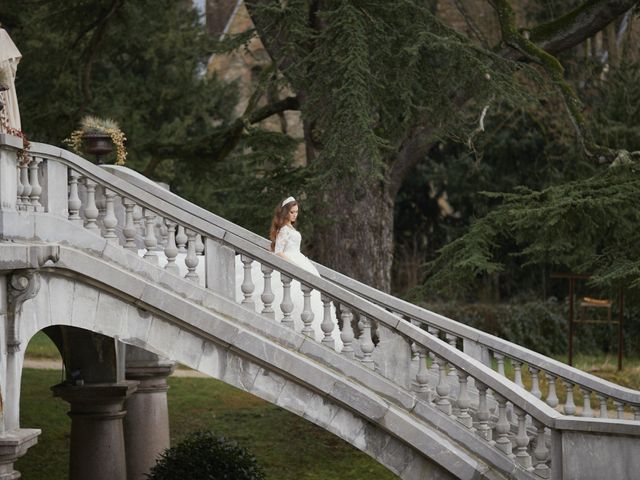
pixel 424 399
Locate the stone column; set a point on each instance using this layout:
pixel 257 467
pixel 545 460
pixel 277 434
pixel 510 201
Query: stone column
pixel 220 268
pixel 97 436
pixel 13 445
pixel 146 426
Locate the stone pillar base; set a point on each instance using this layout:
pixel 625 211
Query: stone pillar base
pixel 97 436
pixel 13 445
pixel 146 426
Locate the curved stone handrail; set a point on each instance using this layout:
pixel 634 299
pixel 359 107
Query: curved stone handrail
pixel 492 342
pixel 129 183
pixel 133 187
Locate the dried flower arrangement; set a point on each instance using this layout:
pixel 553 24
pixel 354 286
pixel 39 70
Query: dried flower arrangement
pixel 90 125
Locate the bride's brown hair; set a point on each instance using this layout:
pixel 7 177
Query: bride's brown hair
pixel 280 216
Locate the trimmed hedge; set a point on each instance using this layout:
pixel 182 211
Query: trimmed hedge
pixel 543 326
pixel 203 456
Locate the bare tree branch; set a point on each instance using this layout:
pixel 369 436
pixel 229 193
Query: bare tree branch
pixel 579 24
pixel 234 132
pixel 289 103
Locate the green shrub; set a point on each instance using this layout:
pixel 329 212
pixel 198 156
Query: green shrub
pixel 203 456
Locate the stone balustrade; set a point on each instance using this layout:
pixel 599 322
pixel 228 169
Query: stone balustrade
pixel 417 350
pixel 560 385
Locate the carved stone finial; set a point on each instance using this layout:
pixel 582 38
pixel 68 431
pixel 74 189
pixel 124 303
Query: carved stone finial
pixel 23 285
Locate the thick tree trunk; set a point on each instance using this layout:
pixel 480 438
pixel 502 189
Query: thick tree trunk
pixel 355 235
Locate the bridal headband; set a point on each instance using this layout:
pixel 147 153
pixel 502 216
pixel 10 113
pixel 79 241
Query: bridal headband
pixel 287 200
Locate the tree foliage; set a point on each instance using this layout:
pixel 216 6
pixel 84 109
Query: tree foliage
pixel 582 220
pixel 113 59
pixel 371 70
pixel 143 63
pixel 381 86
pixel 586 225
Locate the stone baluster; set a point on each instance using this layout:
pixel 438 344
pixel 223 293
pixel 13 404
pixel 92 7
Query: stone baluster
pixel 535 382
pixel 452 340
pixel 422 377
pixel 26 186
pixel 247 286
pixel 464 401
pixel 101 205
pixel 129 229
pixel 602 404
pixel 150 240
pixel 138 220
pixel 163 231
pixel 522 439
pixel 19 188
pixel 636 412
pixel 366 342
pixel 500 361
pixel 199 245
pixel 74 202
pixel 517 372
pixel 569 405
pixel 483 414
pixel 327 324
pixel 191 262
pixel 287 304
pixel 346 335
pixel 552 397
pixel 414 347
pixel 90 210
pixel 36 188
pixel 502 426
pixel 267 296
pixel 619 409
pixel 170 248
pixel 541 452
pixel 110 222
pixel 181 240
pixel 434 366
pixel 443 388
pixel 586 404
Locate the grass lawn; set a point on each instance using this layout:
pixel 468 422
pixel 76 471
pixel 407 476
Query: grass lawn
pixel 287 446
pixel 41 346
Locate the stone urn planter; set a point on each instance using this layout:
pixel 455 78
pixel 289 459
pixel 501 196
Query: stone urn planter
pixel 98 144
pixel 99 137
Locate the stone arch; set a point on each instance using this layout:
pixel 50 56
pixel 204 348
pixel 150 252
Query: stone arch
pixel 260 369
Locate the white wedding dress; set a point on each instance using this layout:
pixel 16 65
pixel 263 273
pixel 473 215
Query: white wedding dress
pixel 288 243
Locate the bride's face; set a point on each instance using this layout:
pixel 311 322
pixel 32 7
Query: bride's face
pixel 293 214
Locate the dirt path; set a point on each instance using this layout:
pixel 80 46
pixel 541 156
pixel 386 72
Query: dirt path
pixel 51 364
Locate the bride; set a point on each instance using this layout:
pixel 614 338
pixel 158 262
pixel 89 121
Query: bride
pixel 285 242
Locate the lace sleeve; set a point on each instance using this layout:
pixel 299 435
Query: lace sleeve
pixel 282 239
